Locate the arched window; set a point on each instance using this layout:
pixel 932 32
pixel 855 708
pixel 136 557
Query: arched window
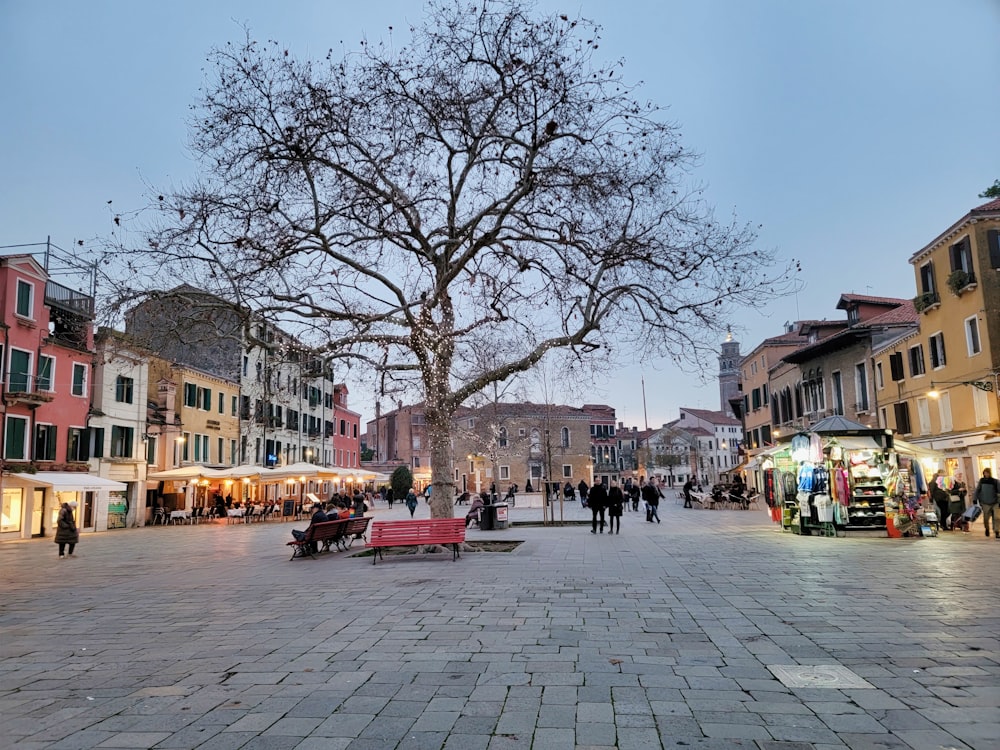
pixel 536 442
pixel 564 437
pixel 502 437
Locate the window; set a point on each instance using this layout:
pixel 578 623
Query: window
pixel 838 393
pixel 76 449
pixel 343 427
pixel 567 471
pixel 936 346
pixel 927 285
pixel 79 379
pixel 123 390
pixel 205 402
pixel 961 256
pixel 502 437
pixel 235 405
pixel 861 386
pixel 19 380
pixel 46 367
pixel 896 366
pixel 95 437
pixel 763 390
pixel 505 473
pixel 190 395
pixel 924 416
pixel 25 299
pixel 185 447
pixel 971 337
pixel 564 437
pixel 122 440
pixel 879 376
pixel 981 406
pixel 416 442
pixel 944 412
pixel 221 451
pixel 16 442
pixel 916 360
pixel 222 402
pixel 45 442
pixel 902 414
pixel 151 450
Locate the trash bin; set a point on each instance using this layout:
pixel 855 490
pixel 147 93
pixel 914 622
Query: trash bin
pixel 487 517
pixel 500 518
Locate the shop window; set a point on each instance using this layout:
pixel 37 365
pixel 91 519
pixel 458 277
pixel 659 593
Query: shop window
pixel 16 439
pixel 936 346
pixel 11 509
pixel 25 299
pixel 917 360
pixel 972 341
pixel 45 442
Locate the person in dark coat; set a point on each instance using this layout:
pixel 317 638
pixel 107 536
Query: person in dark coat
pixel 987 494
pixel 616 504
pixel 688 486
pixel 318 516
pixel 651 494
pixel 956 505
pixel 411 502
pixel 941 499
pixel 597 500
pixel 583 489
pixel 66 532
pixel 634 494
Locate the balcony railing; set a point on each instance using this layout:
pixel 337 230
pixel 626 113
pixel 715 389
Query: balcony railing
pixel 62 296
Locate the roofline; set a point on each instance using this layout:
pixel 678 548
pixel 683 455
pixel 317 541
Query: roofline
pixel 971 217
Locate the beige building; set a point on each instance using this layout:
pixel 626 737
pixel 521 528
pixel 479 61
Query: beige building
pixel 938 387
pixel 198 416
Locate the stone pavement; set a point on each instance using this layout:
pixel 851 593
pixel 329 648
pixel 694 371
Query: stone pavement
pixel 665 636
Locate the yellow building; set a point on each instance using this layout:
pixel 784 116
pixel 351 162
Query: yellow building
pixel 937 387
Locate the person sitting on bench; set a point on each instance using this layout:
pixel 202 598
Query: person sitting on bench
pixel 318 516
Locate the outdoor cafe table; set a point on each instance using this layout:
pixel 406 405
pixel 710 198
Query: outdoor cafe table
pixel 180 515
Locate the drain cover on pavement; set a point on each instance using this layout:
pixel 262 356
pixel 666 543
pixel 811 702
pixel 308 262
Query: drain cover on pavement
pixel 817 676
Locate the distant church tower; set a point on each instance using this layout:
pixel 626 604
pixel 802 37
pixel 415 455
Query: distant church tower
pixel 729 373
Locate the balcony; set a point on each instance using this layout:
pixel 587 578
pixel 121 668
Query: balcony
pixel 960 281
pixel 927 301
pixel 24 389
pixel 57 295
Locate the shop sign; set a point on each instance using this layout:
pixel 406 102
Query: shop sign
pixel 213 424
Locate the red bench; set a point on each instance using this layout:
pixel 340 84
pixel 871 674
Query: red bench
pixel 444 531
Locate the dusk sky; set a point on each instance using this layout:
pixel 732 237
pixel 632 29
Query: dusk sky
pixel 853 132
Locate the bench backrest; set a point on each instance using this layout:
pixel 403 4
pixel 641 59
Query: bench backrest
pixel 317 532
pixel 357 525
pixel 418 531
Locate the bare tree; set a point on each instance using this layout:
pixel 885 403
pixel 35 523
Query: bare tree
pixel 491 180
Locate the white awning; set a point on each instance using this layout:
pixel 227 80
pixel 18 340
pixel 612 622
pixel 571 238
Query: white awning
pixel 184 473
pixel 855 443
pixel 66 481
pixel 901 446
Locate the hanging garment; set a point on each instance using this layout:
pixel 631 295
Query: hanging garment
pixel 805 478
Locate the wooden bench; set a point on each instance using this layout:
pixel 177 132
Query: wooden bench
pixel 325 533
pixel 444 531
pixel 355 528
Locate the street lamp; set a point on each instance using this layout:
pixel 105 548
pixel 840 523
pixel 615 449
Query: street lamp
pixel 982 385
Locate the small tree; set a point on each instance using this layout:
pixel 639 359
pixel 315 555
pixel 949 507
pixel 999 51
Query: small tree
pixel 993 191
pixel 492 180
pixel 401 481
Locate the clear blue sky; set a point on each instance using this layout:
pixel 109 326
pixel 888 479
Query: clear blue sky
pixel 852 131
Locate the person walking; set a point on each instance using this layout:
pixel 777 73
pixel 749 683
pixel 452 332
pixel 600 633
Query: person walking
pixel 570 495
pixel 583 489
pixel 389 498
pixel 986 495
pixel 616 504
pixel 66 532
pixel 956 506
pixel 633 492
pixel 941 499
pixel 597 500
pixel 651 495
pixel 411 502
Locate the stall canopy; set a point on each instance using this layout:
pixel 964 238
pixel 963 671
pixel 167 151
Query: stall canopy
pixel 901 446
pixel 855 443
pixel 69 481
pixel 184 473
pixel 839 425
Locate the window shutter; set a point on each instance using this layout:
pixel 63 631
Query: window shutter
pixel 902 418
pixel 896 365
pixel 993 242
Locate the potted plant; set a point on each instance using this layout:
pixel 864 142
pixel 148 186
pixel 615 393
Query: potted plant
pixel 926 301
pixel 959 280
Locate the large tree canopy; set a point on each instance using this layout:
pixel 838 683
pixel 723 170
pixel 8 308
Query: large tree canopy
pixel 491 181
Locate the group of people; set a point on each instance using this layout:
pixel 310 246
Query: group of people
pixel 338 507
pixel 951 506
pixel 614 500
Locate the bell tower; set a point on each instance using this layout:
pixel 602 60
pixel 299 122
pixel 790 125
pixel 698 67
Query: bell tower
pixel 729 373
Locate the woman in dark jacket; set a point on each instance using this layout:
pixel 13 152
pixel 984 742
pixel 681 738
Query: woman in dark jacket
pixel 616 504
pixel 597 500
pixel 66 531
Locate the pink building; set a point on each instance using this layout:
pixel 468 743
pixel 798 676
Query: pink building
pixel 47 349
pixel 346 425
